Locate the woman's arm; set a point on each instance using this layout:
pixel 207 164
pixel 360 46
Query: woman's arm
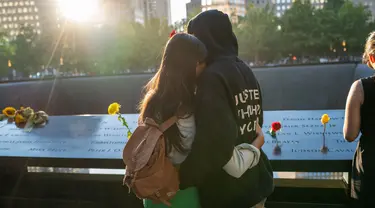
pixel 352 121
pixel 245 156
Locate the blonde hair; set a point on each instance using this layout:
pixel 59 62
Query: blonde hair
pixel 369 49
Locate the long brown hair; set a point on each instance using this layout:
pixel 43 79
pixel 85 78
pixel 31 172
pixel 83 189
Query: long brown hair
pixel 171 91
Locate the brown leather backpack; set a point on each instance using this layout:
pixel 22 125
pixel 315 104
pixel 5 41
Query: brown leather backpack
pixel 149 172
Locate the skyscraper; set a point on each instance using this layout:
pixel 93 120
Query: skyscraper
pixel 259 3
pixel 233 8
pixel 160 9
pixel 138 11
pixel 116 11
pixel 15 14
pixel 45 15
pixel 282 5
pixel 192 7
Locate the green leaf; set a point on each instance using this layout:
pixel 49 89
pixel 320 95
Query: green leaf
pixel 2 117
pixel 29 124
pixel 124 123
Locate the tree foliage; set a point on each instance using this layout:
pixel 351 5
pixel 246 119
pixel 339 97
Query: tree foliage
pixel 25 59
pixel 257 33
pixel 339 29
pixel 6 52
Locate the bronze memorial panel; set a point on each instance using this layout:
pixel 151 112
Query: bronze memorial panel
pixel 103 137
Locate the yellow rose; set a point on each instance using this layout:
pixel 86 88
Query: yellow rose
pixel 9 112
pixel 325 118
pixel 114 108
pixel 20 119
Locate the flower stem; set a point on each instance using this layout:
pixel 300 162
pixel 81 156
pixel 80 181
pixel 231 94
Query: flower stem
pixel 324 136
pixel 124 123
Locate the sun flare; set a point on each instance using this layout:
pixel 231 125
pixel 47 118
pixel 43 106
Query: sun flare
pixel 79 10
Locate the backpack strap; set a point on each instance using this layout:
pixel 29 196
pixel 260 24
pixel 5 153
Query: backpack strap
pixel 141 136
pixel 168 123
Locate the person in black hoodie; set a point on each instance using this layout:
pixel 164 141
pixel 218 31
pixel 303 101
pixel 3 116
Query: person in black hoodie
pixel 228 108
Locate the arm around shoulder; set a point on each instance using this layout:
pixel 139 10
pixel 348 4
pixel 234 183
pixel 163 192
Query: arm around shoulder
pixel 245 156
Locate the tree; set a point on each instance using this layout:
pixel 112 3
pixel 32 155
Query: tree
pixel 355 25
pixel 334 5
pixel 46 48
pixel 102 50
pixel 300 30
pixel 181 26
pixel 25 60
pixel 194 13
pixel 257 33
pixel 148 44
pixel 6 53
pixel 131 46
pixel 329 29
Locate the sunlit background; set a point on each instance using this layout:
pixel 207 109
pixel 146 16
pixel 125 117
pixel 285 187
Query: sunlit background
pixel 80 10
pixel 122 36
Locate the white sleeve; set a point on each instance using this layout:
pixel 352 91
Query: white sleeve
pixel 245 156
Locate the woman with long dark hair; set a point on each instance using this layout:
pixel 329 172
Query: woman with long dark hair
pixel 170 93
pixel 359 118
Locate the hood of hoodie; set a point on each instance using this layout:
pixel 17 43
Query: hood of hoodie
pixel 214 29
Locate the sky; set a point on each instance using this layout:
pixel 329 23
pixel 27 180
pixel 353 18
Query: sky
pixel 178 9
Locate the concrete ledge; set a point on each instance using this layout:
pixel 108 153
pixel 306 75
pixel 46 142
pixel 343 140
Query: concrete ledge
pixel 10 202
pixel 295 183
pixel 106 191
pixel 310 183
pixel 303 205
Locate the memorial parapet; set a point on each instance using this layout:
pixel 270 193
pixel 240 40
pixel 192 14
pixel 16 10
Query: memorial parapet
pixel 96 141
pixel 284 88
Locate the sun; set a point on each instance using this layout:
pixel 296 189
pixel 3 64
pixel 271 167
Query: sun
pixel 79 10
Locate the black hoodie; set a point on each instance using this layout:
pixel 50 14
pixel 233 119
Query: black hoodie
pixel 229 104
